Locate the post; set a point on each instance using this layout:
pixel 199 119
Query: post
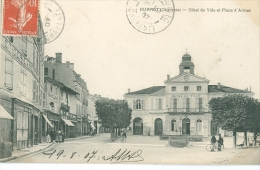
pixel 234 139
pixel 245 138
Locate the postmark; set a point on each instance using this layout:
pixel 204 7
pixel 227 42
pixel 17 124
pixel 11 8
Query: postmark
pixel 150 16
pixel 53 20
pixel 20 17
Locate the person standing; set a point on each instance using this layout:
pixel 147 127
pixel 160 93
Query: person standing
pixel 124 137
pixel 213 141
pixel 220 142
pixel 48 136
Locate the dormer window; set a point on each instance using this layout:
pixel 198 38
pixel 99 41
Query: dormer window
pixel 186 88
pixel 173 88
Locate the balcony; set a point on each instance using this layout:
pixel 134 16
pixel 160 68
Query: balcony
pixel 173 111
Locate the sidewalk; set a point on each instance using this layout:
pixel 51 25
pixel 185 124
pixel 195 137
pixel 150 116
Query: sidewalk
pixel 36 148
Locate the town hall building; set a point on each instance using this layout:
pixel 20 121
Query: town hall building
pixel 180 107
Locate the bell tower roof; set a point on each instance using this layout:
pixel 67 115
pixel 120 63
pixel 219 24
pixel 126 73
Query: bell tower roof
pixel 186 65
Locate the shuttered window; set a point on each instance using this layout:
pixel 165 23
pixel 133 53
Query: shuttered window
pixel 9 74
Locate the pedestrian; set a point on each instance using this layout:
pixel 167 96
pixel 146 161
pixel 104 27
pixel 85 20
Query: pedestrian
pixel 35 138
pixel 220 142
pixel 62 136
pixel 48 138
pixel 213 141
pixel 124 137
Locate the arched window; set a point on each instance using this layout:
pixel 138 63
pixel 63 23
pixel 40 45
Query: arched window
pixel 198 125
pixel 173 125
pixel 138 104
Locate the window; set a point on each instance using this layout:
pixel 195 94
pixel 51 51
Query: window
pixel 173 125
pixel 51 88
pixel 9 74
pixel 23 83
pixel 35 92
pixel 198 125
pixel 199 103
pixel 198 88
pixel 186 88
pixel 45 71
pixel 173 88
pixel 138 104
pixel 186 104
pixel 186 69
pixel 40 98
pixel 159 104
pixel 43 99
pixel 53 73
pixel 175 105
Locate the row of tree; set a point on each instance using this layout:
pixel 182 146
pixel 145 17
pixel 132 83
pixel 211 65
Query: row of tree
pixel 113 114
pixel 237 113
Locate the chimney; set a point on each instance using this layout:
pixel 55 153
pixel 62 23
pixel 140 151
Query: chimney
pixel 219 85
pixel 59 57
pixel 72 66
pixel 95 95
pixel 168 77
pixel 128 90
pixel 67 63
pixel 99 96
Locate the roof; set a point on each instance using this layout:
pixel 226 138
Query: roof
pixel 224 89
pixel 149 90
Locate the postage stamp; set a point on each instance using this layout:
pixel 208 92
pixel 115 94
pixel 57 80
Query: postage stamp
pixel 53 20
pixel 150 16
pixel 20 17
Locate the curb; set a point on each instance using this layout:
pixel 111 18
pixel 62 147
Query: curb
pixel 26 154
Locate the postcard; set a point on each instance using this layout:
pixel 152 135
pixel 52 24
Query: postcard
pixel 166 82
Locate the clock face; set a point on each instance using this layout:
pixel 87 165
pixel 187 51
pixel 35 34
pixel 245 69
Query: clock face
pixel 186 78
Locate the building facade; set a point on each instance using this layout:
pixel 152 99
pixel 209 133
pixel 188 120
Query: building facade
pixel 22 88
pixel 180 107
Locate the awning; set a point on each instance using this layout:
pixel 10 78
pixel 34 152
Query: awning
pixel 47 120
pixel 4 114
pixel 68 122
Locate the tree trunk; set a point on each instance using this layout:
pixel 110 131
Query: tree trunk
pixel 112 133
pixel 234 139
pixel 255 133
pixel 245 138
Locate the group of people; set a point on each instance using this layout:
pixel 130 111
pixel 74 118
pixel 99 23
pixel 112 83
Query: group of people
pixel 53 136
pixel 217 144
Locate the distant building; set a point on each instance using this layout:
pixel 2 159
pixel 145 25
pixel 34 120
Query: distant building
pixel 22 88
pixel 179 107
pixel 92 114
pixel 70 107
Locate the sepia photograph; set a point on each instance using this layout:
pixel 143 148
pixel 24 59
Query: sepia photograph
pixel 136 82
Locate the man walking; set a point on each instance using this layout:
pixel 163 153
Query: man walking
pixel 213 142
pixel 220 142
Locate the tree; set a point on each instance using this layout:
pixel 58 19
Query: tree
pixel 113 114
pixel 235 113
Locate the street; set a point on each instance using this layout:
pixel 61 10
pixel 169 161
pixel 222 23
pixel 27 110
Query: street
pixel 139 149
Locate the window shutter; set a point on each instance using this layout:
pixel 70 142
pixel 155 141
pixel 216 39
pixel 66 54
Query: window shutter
pixel 184 104
pixel 134 104
pixel 143 105
pixel 197 104
pixel 157 104
pixel 171 103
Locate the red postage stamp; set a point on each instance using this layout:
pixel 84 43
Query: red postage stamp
pixel 20 17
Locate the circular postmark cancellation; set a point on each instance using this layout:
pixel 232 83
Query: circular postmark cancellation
pixel 53 20
pixel 150 16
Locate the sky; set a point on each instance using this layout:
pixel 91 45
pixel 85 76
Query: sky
pixel 112 56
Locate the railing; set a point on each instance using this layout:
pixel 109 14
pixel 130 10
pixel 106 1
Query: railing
pixel 186 110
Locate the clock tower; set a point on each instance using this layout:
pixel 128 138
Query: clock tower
pixel 186 65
